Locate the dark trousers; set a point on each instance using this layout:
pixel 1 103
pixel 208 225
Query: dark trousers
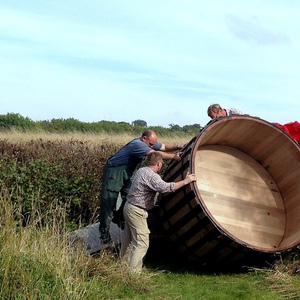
pixel 115 180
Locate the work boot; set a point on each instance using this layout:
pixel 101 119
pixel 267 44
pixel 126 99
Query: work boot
pixel 106 244
pixel 105 239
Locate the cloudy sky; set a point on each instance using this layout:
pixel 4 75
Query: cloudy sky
pixel 163 62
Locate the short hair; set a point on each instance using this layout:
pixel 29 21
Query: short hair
pixel 214 108
pixel 147 133
pixel 153 158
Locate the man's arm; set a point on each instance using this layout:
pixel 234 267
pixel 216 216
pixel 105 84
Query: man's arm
pixel 168 156
pixel 165 148
pixel 170 147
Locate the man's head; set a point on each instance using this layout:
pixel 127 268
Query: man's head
pixel 149 137
pixel 155 160
pixel 215 110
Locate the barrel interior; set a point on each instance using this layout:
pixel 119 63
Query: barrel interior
pixel 241 195
pixel 248 182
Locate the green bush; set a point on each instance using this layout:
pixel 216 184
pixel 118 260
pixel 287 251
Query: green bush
pixel 38 173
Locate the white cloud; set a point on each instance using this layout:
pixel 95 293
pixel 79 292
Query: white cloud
pixel 252 30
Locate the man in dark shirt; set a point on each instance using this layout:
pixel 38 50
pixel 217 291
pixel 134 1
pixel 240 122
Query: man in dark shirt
pixel 117 174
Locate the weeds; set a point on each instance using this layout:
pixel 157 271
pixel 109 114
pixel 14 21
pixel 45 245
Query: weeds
pixel 40 263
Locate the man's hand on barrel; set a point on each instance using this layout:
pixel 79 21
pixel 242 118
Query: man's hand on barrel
pixel 190 178
pixel 177 156
pixel 179 147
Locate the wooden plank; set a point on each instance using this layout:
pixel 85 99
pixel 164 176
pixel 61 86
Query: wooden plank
pixel 240 196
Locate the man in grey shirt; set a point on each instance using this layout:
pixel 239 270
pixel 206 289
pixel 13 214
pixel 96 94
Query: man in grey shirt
pixel 142 197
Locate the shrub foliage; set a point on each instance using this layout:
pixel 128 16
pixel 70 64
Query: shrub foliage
pixel 40 172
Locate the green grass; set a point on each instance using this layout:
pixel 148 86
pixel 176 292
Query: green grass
pixel 167 285
pixel 201 286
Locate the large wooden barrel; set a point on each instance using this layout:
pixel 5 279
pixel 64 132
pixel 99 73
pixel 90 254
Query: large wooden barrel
pixel 245 206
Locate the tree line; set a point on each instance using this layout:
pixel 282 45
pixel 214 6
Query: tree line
pixel 18 122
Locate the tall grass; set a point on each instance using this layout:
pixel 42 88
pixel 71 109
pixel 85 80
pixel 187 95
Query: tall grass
pixel 41 263
pixel 92 138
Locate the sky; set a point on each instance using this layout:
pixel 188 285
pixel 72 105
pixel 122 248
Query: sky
pixel 163 62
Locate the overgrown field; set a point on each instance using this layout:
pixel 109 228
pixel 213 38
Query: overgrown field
pixel 50 185
pixel 41 169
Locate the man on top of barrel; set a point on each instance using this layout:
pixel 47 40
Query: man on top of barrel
pixel 292 128
pixel 117 174
pixel 215 110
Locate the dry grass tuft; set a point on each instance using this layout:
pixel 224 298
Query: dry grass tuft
pixel 284 276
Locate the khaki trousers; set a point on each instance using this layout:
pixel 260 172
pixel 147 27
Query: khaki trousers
pixel 135 241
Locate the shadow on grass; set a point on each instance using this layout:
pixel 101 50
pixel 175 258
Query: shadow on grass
pixel 163 255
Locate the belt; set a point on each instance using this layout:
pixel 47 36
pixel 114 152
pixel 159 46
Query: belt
pixel 137 206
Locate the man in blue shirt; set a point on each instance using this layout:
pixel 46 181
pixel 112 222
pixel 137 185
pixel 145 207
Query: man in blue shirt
pixel 117 174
